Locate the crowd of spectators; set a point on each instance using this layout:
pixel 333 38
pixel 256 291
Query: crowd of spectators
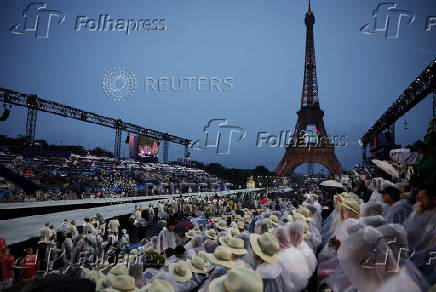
pixel 81 177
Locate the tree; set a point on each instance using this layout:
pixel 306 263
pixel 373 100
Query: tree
pixel 261 170
pixel 98 151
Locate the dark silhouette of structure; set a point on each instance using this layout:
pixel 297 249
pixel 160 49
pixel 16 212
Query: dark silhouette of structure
pixel 384 127
pixel 309 145
pixel 35 104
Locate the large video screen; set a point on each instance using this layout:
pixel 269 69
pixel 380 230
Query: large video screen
pixel 148 147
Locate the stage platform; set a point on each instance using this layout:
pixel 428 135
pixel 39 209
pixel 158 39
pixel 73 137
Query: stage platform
pixel 21 228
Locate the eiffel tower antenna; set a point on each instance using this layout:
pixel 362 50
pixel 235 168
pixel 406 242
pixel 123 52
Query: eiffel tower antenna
pixel 309 5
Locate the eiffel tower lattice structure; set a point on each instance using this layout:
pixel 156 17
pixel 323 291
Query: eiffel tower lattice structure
pixel 310 145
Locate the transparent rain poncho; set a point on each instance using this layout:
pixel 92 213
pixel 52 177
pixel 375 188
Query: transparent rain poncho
pixel 273 278
pixel 296 231
pixel 196 244
pixel 421 229
pixel 376 195
pixel 261 226
pixel 294 264
pixel 398 212
pixel 396 237
pixel 374 221
pixel 368 262
pixel 371 208
pixel 166 239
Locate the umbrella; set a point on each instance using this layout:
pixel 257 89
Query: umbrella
pixel 405 157
pixel 332 183
pixel 386 167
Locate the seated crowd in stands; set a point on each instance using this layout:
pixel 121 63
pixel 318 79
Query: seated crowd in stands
pixel 82 177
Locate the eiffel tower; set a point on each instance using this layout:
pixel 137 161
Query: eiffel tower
pixel 309 145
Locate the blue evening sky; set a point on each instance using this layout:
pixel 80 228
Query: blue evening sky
pixel 259 43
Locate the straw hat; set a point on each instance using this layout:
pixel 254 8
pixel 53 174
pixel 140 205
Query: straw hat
pixel 241 225
pixel 237 280
pixel 158 285
pixel 274 220
pixel 197 228
pixel 236 245
pixel 221 225
pixel 181 271
pixel 223 239
pixel 301 217
pixel 234 231
pixel 190 234
pixel 247 218
pixel 205 257
pixel 211 233
pixel 304 211
pixel 118 270
pixel 222 256
pixel 94 276
pixel 348 195
pixel 351 205
pixel 197 265
pixel 265 246
pixel 123 283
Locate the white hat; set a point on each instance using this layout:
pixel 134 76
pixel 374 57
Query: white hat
pixel 274 220
pixel 94 276
pixel 205 257
pixel 197 265
pixel 237 280
pixel 181 271
pixel 190 234
pixel 221 225
pixel 211 233
pixel 236 245
pixel 351 205
pixel 222 256
pixel 123 283
pixel 266 246
pixel 117 270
